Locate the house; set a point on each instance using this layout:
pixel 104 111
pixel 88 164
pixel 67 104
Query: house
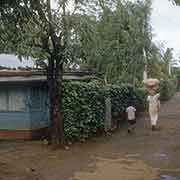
pixel 24 103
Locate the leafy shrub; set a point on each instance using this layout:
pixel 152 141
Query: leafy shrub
pixel 84 106
pixel 124 96
pixel 167 89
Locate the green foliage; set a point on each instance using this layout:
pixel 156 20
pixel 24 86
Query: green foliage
pixel 123 96
pixel 117 41
pixel 177 2
pixel 83 109
pixel 167 89
pixel 84 106
pixel 114 40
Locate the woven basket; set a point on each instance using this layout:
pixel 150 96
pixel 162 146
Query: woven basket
pixel 151 83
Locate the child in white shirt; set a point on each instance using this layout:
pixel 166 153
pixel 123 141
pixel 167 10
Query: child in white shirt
pixel 131 118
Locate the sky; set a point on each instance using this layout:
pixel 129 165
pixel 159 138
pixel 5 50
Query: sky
pixel 165 21
pixel 12 61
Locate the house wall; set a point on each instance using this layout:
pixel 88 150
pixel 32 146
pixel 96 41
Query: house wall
pixel 14 108
pixel 14 121
pixel 39 115
pixel 23 108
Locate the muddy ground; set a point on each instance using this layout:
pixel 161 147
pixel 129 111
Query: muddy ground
pixel 145 155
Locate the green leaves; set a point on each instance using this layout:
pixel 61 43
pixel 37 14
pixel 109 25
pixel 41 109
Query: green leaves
pixel 177 2
pixel 114 47
pixel 84 106
pixel 167 89
pixel 83 110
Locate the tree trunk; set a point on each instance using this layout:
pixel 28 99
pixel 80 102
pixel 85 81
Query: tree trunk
pixel 55 76
pixel 51 87
pixel 59 96
pixel 56 79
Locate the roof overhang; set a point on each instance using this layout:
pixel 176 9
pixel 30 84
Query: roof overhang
pixel 8 77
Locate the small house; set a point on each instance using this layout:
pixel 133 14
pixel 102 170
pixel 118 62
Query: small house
pixel 24 103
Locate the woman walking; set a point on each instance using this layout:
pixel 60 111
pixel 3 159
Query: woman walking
pixel 154 107
pixel 153 99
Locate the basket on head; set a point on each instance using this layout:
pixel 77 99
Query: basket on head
pixel 151 82
pixel 151 85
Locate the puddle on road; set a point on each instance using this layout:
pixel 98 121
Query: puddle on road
pixel 161 156
pixel 157 158
pixel 121 168
pixel 167 177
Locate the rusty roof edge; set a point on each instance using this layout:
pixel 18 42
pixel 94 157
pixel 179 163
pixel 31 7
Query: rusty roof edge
pixel 11 73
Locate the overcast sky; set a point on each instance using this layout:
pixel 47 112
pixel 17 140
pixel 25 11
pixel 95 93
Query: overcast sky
pixel 166 27
pixel 166 24
pixel 12 61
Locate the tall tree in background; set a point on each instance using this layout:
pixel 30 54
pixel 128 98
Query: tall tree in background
pixel 120 33
pixel 168 58
pixel 177 2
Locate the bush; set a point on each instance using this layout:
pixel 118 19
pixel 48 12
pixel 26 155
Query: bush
pixel 84 106
pixel 167 89
pixel 124 96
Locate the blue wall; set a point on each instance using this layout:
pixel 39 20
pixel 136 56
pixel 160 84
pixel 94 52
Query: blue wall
pixel 14 121
pixel 39 108
pixel 23 108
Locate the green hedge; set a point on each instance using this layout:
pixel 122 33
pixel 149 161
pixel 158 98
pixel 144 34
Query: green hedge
pixel 124 96
pixel 167 89
pixel 84 106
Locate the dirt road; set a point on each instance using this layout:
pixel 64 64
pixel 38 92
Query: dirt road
pixel 144 156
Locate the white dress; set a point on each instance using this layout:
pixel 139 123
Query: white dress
pixel 154 105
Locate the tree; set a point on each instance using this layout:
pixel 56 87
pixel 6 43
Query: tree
pixel 168 58
pixel 32 28
pixel 155 61
pixel 177 2
pixel 121 31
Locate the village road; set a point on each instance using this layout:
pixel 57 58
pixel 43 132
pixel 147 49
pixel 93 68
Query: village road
pixel 146 155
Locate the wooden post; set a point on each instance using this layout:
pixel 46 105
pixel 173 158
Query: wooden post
pixel 108 115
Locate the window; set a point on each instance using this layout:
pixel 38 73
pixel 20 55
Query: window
pixel 12 100
pixel 35 99
pixel 17 101
pixel 3 100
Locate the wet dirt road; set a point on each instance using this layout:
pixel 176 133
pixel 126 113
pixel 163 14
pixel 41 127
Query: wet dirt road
pixel 144 156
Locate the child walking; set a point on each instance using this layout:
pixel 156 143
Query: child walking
pixel 131 118
pixel 154 107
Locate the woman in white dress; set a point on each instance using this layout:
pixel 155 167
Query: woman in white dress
pixel 154 107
